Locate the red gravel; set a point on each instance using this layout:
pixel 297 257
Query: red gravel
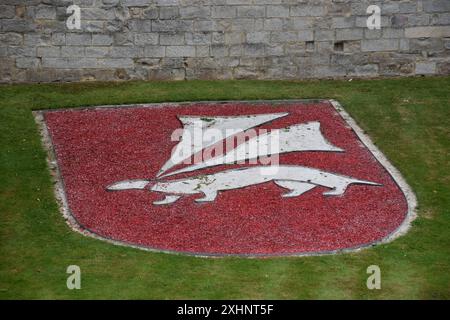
pixel 97 147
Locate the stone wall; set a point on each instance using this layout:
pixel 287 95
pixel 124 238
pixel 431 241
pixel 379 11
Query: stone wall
pixel 221 39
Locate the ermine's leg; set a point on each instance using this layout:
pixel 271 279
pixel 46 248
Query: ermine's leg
pixel 210 195
pixel 295 188
pixel 167 200
pixel 336 191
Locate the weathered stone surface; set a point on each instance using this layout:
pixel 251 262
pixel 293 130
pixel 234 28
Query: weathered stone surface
pixel 443 67
pixel 151 13
pixel 219 50
pixel 277 11
pixel 349 34
pixel 436 5
pixel 198 38
pixel 202 51
pixel 258 37
pixel 307 11
pixel 306 35
pixel 420 19
pixel 425 67
pixel 78 39
pixel 343 22
pixel 221 39
pixel 427 32
pixel 407 7
pixel 195 12
pixel 69 63
pixel 251 11
pixel 223 12
pixel 242 24
pixel 330 71
pixel 7 12
pixel 393 33
pixel 11 38
pixel 27 63
pixel 441 19
pixel 145 39
pixel 49 52
pixel 322 35
pixel 45 12
pixel 171 25
pixel 425 44
pixel 126 52
pixel 15 51
pixel 137 3
pixel 102 39
pixel 115 63
pixel 96 52
pixel 254 50
pixel 167 74
pixel 13 25
pixel 368 70
pixel 154 51
pixel 171 39
pixel 180 51
pixel 168 13
pixel 281 37
pixel 380 45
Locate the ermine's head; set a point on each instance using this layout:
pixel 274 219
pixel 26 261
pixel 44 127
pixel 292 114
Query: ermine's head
pixel 130 185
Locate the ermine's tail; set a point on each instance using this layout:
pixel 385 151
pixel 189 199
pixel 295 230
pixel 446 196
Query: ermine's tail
pixel 128 185
pixel 340 189
pixel 366 182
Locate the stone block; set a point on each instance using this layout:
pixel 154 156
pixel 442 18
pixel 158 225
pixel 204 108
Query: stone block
pixel 323 35
pixel 69 63
pixel 425 68
pixel 45 12
pixel 168 13
pixel 350 34
pixel 278 11
pixel 203 12
pixel 78 39
pixel 52 52
pixel 154 51
pixel 307 11
pixel 142 39
pixel 220 12
pixel 219 50
pixel 427 32
pixel 171 39
pixel 251 11
pixel 258 37
pixel 7 12
pixel 172 25
pixel 115 63
pixel 14 39
pixel 180 51
pixel 379 45
pixel 27 63
pixel 436 6
pixel 305 35
pixel 198 38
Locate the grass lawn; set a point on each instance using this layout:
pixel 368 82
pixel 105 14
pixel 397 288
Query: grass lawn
pixel 409 120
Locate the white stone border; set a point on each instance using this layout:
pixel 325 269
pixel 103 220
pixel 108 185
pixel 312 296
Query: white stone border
pixel 396 175
pixel 61 196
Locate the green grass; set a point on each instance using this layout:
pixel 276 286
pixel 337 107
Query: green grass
pixel 409 119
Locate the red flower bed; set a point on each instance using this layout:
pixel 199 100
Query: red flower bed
pixel 97 147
